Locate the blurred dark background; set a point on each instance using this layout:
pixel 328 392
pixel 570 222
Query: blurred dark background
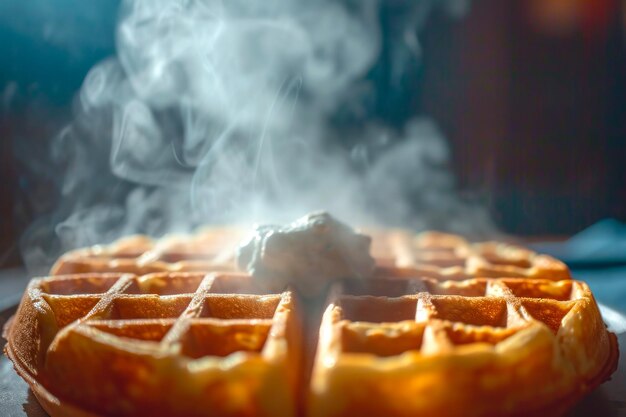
pixel 531 95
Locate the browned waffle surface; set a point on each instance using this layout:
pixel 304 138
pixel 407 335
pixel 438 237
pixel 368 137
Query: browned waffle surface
pixel 447 328
pixel 195 344
pixel 397 252
pixel 209 249
pixel 163 344
pixel 478 347
pixel 446 256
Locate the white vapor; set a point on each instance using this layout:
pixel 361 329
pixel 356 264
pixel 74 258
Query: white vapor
pixel 225 111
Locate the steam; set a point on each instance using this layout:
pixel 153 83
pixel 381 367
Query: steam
pixel 236 111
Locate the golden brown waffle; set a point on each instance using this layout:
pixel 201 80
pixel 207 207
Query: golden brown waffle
pixel 397 252
pixel 451 257
pixel 210 249
pixel 164 344
pixel 480 347
pixel 446 339
pixel 190 344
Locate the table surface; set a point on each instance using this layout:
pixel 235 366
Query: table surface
pixel 608 285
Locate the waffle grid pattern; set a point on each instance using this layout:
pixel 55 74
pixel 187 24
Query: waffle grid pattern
pixel 450 257
pixel 173 307
pixel 438 332
pixel 398 253
pixel 438 316
pixel 218 331
pixel 443 339
pixel 210 249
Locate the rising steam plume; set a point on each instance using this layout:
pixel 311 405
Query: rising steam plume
pixel 244 111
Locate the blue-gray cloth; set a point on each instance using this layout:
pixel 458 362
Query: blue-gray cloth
pixel 597 255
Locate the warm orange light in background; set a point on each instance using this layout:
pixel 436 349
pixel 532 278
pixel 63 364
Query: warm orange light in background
pixel 565 17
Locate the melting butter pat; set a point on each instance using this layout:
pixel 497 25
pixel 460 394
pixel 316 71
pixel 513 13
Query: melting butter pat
pixel 308 254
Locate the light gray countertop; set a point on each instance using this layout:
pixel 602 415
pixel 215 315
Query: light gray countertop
pixel 12 284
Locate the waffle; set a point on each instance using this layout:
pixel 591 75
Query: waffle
pixel 190 344
pixel 162 344
pixel 479 347
pixel 209 249
pixel 446 327
pixel 446 256
pixel 397 252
